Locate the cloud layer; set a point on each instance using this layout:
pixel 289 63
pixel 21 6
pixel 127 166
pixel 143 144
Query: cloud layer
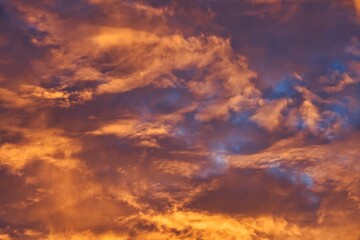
pixel 164 119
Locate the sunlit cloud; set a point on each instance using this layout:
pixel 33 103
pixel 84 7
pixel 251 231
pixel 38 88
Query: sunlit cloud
pixel 179 119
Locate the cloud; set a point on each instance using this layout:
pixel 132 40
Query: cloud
pixel 269 115
pixel 11 99
pixel 258 191
pixel 334 160
pixel 39 145
pixel 144 132
pixel 179 120
pixel 357 6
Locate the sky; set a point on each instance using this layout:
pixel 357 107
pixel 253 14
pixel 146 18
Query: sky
pixel 179 119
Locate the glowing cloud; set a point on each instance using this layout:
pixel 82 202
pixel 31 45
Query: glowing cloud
pixel 179 119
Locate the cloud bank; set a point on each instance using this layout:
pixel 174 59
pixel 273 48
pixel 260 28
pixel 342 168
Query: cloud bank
pixel 164 119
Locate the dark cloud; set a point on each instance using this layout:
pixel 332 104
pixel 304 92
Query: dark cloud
pixel 260 191
pixel 16 48
pixel 303 36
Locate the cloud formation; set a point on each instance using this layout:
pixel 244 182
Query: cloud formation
pixel 164 119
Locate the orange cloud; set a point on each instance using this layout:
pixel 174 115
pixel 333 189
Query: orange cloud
pixel 357 5
pixel 186 120
pixel 40 145
pixel 269 116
